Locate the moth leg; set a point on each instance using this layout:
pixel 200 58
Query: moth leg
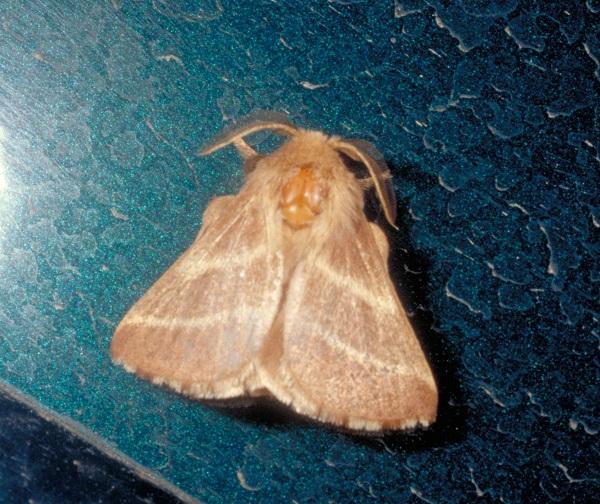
pixel 381 241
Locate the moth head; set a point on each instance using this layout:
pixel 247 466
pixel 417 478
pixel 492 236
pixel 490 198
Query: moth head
pixel 302 197
pixel 301 212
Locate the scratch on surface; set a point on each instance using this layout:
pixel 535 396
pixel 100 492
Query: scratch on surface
pixel 498 133
pixel 419 495
pixel 162 139
pixel 553 115
pixel 492 394
pixel 165 454
pixel 243 483
pixel 401 10
pixel 91 314
pixel 385 446
pixel 535 65
pixel 367 487
pixel 565 471
pixel 574 425
pixel 39 56
pixel 478 491
pixel 520 43
pixel 591 145
pixel 381 112
pixel 552 268
pixel 106 321
pixel 461 45
pixel 175 12
pixel 57 303
pixel 445 185
pixel 593 57
pixel 172 58
pixel 518 207
pixel 118 215
pixel 414 215
pixel 471 308
pixel 155 225
pixel 285 43
pixel 463 253
pixel 312 86
pixel 541 412
pixel 497 275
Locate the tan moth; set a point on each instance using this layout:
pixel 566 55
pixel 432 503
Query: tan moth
pixel 285 292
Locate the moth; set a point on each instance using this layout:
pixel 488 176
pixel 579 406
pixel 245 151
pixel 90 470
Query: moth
pixel 285 292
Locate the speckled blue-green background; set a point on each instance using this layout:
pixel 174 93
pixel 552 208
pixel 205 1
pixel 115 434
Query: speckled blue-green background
pixel 488 113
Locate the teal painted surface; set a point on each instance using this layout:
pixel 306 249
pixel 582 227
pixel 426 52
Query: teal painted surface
pixel 487 113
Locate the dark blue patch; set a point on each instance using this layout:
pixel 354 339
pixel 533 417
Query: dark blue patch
pixel 42 460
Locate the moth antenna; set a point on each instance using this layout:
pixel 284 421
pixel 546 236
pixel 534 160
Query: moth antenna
pixel 244 149
pixel 259 121
pixel 368 155
pixel 367 182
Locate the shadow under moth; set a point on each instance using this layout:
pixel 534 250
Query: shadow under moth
pixel 285 292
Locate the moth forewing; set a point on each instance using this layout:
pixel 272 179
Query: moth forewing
pixel 286 292
pixel 350 353
pixel 197 329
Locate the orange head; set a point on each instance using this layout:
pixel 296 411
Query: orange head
pixel 301 198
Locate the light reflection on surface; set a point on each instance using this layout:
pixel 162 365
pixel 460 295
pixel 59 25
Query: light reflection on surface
pixel 3 182
pixel 4 193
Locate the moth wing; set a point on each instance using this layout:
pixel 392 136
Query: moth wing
pixel 349 354
pixel 199 327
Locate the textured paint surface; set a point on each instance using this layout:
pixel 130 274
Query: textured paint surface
pixel 487 112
